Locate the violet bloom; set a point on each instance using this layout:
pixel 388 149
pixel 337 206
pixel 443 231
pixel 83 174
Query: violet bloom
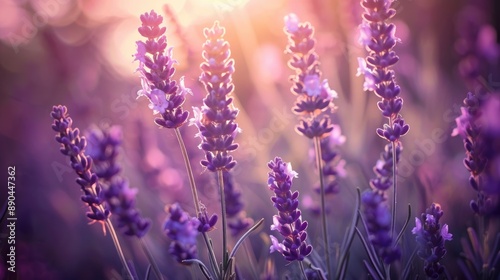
pixel 314 95
pixel 104 146
pixel 384 168
pixel 378 222
pixel 288 222
pixel 234 206
pixel 216 118
pixel 73 146
pixel 333 166
pixel 479 128
pixel 379 39
pixel 182 229
pixel 156 70
pixel 430 236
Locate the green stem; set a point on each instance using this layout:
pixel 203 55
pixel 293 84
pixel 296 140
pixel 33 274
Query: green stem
pixel 114 237
pixel 151 259
pixel 302 270
pixel 196 200
pixel 211 255
pixel 394 182
pixel 189 171
pixel 224 222
pixel 319 161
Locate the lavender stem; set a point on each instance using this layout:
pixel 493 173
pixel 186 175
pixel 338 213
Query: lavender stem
pixel 189 171
pixel 114 237
pixel 301 265
pixel 395 190
pixel 192 183
pixel 151 259
pixel 224 222
pixel 317 148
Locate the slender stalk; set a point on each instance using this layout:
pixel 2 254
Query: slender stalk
pixel 302 270
pixel 319 161
pixel 151 259
pixel 114 237
pixel 394 182
pixel 196 200
pixel 189 171
pixel 211 255
pixel 224 222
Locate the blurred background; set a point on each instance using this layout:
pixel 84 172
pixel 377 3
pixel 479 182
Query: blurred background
pixel 80 54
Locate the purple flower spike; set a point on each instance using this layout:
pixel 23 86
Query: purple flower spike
pixel 288 222
pixel 104 146
pixel 156 69
pixel 216 118
pixel 479 128
pixel 384 167
pixel 206 223
pixel 314 96
pixel 73 146
pixel 430 236
pixel 234 206
pixel 378 37
pixel 378 222
pixel 182 229
pixel 121 202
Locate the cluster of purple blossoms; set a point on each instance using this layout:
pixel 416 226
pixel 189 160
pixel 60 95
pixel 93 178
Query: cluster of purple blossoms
pixel 288 222
pixel 378 37
pixel 156 69
pixel 479 127
pixel 183 230
pixel 384 168
pixel 333 167
pixel 430 237
pixel 103 147
pixel 378 222
pixel 216 118
pixel 73 146
pixel 313 95
pixel 234 206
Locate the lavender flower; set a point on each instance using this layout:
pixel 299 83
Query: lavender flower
pixel 430 236
pixel 73 146
pixel 378 222
pixel 313 95
pixel 182 229
pixel 384 168
pixel 333 167
pixel 479 129
pixel 120 199
pixel 121 202
pixel 216 118
pixel 206 223
pixel 103 149
pixel 156 70
pixel 234 206
pixel 378 37
pixel 288 222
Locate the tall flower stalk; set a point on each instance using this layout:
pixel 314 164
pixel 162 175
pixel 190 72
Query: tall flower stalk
pixel 73 146
pixel 288 222
pixel 165 95
pixel 215 120
pixel 430 236
pixel 166 98
pixel 378 37
pixel 314 100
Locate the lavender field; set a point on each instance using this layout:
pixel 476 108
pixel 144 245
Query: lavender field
pixel 250 139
